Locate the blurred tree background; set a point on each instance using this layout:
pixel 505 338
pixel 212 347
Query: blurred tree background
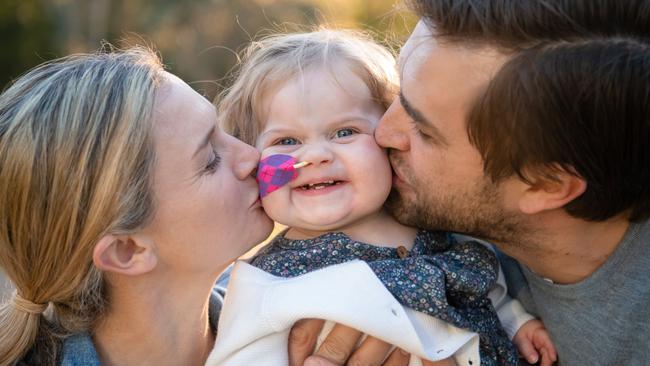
pixel 197 39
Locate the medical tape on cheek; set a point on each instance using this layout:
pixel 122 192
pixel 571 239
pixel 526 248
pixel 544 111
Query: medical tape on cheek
pixel 275 171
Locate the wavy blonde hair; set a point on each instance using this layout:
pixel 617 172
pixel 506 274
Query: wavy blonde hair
pixel 76 155
pixel 267 63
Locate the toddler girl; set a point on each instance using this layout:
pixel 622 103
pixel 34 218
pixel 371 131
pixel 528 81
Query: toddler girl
pixel 317 98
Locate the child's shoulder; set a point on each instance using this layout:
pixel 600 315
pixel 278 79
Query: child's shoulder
pixel 438 240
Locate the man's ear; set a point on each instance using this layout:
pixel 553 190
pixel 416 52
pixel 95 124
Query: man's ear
pixel 546 193
pixel 125 254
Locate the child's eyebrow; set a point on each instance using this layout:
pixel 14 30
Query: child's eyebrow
pixel 277 130
pixel 267 136
pixel 353 119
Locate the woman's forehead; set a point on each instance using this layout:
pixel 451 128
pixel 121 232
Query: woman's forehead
pixel 177 103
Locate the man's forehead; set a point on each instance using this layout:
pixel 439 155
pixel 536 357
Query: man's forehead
pixel 418 46
pixel 422 47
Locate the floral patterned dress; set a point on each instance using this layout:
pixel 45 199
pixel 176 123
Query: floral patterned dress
pixel 439 276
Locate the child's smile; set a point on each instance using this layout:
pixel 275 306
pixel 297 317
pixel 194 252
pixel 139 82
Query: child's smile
pixel 326 117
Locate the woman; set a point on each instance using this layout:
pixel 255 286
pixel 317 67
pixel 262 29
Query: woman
pixel 120 204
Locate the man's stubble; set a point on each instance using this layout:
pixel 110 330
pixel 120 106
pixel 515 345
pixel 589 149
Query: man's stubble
pixel 475 209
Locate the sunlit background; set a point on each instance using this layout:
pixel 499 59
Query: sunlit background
pixel 198 39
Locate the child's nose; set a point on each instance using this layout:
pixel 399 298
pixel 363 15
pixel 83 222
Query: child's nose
pixel 317 153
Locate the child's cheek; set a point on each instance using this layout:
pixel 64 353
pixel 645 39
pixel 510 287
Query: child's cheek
pixel 276 205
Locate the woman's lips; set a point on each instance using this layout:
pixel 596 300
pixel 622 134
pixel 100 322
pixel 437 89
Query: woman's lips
pixel 257 203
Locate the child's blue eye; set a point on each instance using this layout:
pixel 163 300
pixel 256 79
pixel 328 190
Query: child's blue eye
pixel 344 132
pixel 287 141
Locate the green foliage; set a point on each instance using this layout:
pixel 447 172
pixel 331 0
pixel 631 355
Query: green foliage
pixel 26 33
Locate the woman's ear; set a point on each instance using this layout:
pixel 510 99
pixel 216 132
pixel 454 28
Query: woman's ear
pixel 546 193
pixel 125 254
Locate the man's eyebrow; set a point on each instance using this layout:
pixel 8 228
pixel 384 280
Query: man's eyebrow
pixel 411 111
pixel 205 140
pixel 418 118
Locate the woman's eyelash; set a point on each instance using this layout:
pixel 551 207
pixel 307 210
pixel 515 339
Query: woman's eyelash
pixel 214 162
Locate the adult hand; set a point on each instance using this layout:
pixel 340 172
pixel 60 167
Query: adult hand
pixel 338 348
pixel 302 340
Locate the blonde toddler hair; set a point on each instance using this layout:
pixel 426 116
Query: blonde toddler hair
pixel 267 63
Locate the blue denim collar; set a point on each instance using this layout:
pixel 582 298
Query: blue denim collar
pixel 79 350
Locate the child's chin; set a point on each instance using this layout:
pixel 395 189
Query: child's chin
pixel 326 223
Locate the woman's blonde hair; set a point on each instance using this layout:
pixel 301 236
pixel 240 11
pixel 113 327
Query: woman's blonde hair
pixel 76 154
pixel 267 63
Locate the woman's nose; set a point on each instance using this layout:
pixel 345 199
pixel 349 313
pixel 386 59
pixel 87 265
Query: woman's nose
pixel 316 153
pixel 391 132
pixel 246 158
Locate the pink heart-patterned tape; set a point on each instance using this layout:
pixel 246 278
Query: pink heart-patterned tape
pixel 275 171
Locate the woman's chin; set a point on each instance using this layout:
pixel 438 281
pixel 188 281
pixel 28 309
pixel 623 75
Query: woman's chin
pixel 263 228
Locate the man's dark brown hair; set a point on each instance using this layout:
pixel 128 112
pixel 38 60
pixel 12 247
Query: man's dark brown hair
pixel 575 96
pixel 520 24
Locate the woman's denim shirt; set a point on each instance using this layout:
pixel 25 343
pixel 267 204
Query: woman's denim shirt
pixel 79 350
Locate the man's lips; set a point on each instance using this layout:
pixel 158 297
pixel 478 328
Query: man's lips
pixel 397 177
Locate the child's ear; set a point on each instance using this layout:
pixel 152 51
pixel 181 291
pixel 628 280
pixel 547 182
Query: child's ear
pixel 125 254
pixel 546 193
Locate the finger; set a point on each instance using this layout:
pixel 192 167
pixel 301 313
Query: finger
pixel 546 358
pixel 398 357
pixel 446 362
pixel 302 340
pixel 338 345
pixel 552 353
pixel 371 352
pixel 543 341
pixel 319 361
pixel 527 350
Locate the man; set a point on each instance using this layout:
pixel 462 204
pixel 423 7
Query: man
pixel 525 123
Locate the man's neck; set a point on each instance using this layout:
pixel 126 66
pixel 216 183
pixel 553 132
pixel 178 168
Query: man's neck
pixel 568 250
pixel 156 322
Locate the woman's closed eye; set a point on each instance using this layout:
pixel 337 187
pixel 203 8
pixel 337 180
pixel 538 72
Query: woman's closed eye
pixel 213 164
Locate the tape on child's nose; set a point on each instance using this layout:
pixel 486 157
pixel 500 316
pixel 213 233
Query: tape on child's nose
pixel 274 171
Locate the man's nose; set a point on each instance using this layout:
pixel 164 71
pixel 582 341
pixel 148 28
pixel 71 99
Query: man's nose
pixel 392 130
